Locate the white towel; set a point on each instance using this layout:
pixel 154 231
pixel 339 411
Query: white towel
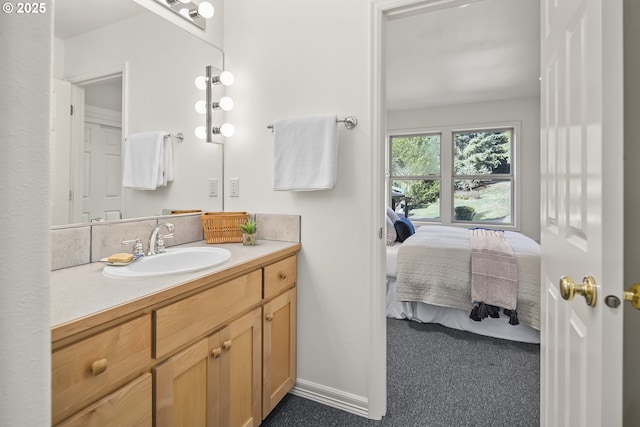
pixel 305 153
pixel 167 161
pixel 147 160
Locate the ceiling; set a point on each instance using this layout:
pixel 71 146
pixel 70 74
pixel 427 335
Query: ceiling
pixel 486 50
pixel 75 17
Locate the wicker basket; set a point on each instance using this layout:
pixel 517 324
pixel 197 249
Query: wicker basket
pixel 223 227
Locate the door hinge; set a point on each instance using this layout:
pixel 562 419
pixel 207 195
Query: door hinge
pixel 71 195
pixel 380 233
pixel 71 110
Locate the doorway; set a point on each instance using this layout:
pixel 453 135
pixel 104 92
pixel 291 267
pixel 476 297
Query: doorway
pixel 394 11
pixel 97 149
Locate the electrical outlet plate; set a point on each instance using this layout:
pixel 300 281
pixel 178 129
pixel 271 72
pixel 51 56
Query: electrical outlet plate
pixel 234 187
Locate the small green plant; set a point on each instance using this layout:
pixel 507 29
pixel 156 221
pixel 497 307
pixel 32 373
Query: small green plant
pixel 249 227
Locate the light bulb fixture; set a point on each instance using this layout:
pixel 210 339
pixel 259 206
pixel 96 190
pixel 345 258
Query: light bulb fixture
pixel 226 130
pixel 201 132
pixel 201 82
pixel 206 107
pixel 204 10
pixel 225 78
pixel 195 11
pixel 201 107
pixel 225 104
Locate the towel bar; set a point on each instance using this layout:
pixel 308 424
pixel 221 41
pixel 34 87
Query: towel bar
pixel 349 122
pixel 179 136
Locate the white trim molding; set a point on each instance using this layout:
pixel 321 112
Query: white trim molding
pixel 331 397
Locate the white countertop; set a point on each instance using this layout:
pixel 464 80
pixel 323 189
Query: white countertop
pixel 82 291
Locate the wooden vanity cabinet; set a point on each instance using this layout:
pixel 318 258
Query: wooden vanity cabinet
pixel 220 357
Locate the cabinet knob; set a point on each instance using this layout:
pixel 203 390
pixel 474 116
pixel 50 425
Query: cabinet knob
pixel 226 345
pixel 283 276
pixel 269 317
pixel 98 367
pixel 216 352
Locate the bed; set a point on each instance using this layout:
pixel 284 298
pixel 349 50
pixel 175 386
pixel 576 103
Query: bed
pixel 448 271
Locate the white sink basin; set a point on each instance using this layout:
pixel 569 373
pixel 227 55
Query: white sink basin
pixel 173 261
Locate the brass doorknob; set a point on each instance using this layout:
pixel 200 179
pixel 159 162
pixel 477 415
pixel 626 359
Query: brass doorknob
pixel 568 289
pixel 633 295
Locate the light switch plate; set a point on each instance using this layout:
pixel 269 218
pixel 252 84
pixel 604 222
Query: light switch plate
pixel 234 187
pixel 213 187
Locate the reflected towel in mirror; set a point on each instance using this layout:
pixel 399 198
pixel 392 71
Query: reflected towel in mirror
pixel 147 160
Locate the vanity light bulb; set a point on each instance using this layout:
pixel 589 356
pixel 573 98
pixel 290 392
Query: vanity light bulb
pixel 201 132
pixel 185 1
pixel 226 103
pixel 206 10
pixel 201 82
pixel 226 78
pixel 184 12
pixel 227 130
pixel 201 107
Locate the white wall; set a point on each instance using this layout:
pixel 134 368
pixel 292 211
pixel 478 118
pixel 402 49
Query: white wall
pixel 163 63
pixel 295 58
pixel 25 93
pixel 524 110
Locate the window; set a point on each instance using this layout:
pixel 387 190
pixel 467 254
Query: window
pixel 415 175
pixel 454 176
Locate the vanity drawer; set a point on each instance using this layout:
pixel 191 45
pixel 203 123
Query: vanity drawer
pixel 96 366
pixel 179 324
pixel 279 276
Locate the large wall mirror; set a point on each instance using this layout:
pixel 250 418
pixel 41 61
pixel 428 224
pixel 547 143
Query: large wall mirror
pixel 126 70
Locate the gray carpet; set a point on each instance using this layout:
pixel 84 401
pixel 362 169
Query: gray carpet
pixel 440 377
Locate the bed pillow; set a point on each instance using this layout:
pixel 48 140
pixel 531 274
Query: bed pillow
pixel 409 223
pixel 402 229
pixel 392 215
pixel 392 236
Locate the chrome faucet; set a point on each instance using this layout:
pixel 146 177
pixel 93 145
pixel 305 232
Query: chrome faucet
pixel 156 242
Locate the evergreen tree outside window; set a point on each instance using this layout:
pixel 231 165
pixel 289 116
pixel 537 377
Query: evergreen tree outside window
pixel 478 176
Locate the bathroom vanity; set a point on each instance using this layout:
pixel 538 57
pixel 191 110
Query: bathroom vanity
pixel 215 347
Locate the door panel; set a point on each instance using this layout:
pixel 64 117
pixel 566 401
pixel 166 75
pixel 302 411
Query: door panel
pixel 102 172
pixel 581 209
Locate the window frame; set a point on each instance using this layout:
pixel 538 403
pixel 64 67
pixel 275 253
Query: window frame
pixel 447 176
pixel 434 177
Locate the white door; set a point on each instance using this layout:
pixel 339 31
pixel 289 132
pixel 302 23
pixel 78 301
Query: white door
pixel 581 210
pixel 102 172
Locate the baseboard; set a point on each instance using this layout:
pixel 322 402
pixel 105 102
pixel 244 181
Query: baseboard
pixel 332 397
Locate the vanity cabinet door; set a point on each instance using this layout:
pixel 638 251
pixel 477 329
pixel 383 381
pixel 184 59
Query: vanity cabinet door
pixel 187 386
pixel 128 406
pixel 243 353
pixel 279 349
pixel 214 382
pixel 91 368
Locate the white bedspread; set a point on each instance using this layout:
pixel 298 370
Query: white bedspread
pixel 434 266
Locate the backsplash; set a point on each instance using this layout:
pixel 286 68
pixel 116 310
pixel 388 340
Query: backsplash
pixel 81 244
